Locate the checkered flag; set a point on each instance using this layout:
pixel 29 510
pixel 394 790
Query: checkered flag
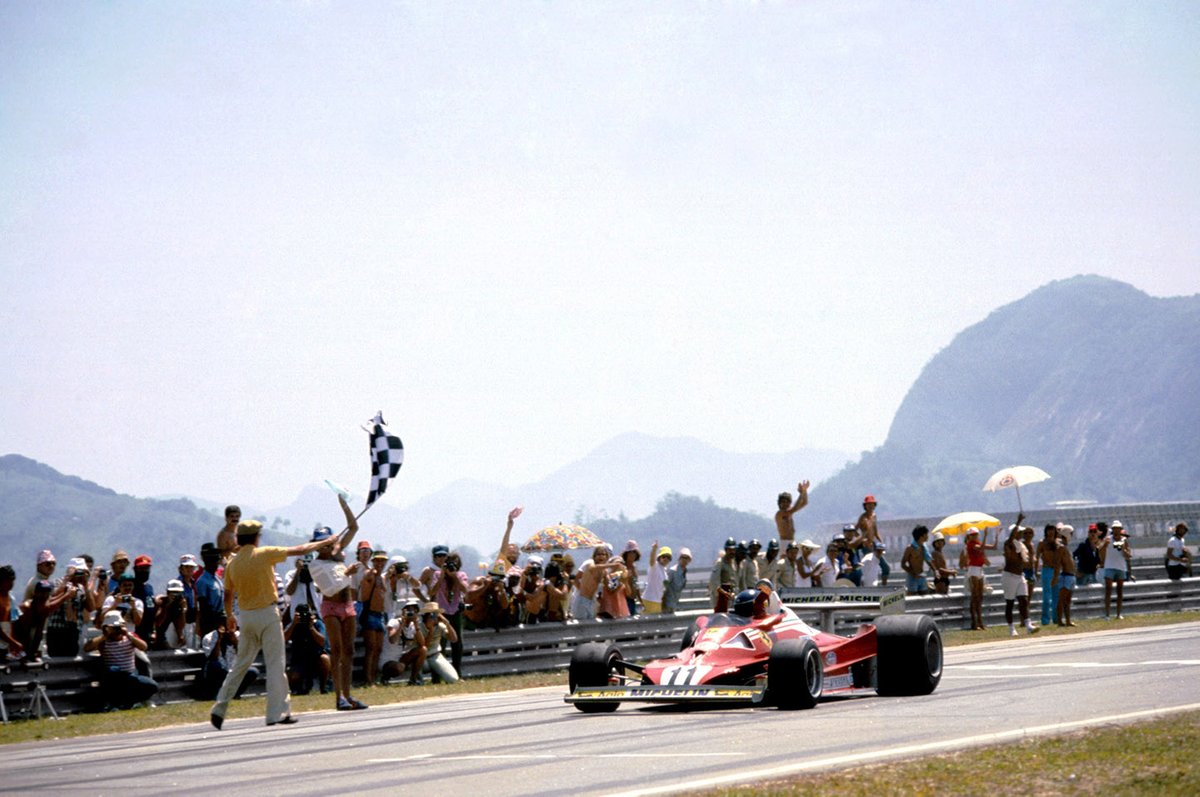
pixel 387 455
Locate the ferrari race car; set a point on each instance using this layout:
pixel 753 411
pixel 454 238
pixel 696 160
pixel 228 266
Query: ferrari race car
pixel 749 656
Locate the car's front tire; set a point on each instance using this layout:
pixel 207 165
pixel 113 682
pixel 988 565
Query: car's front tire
pixel 795 674
pixel 594 664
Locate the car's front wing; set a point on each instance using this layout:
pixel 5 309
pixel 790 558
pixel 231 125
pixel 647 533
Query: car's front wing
pixel 653 693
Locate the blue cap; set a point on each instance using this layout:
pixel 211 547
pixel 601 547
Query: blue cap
pixel 322 533
pixel 440 550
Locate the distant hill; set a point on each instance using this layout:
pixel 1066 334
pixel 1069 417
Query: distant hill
pixel 42 508
pixel 1088 378
pixel 627 477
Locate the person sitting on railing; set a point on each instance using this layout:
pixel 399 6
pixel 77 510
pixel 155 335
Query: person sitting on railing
pixel 850 556
pixel 1179 558
pixel 587 584
pixel 1087 557
pixel 120 684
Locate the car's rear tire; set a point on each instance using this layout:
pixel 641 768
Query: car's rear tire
pixel 795 674
pixel 909 657
pixel 594 664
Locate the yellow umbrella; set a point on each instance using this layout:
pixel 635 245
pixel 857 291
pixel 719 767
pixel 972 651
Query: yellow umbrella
pixel 958 523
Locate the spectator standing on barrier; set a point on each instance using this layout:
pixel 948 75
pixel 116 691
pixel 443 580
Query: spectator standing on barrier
pixel 121 685
pixel 210 592
pixel 587 586
pixel 676 582
pixel 1064 578
pixel 1087 557
pixel 656 578
pixel 332 577
pixel 250 579
pixel 220 655
pixel 64 629
pixel 10 646
pixel 939 568
pixel 1179 558
pixel 44 571
pixel 724 570
pixel 629 559
pixel 372 592
pixel 1016 560
pixel 916 556
pixel 848 554
pixel 436 627
pixel 309 651
pixel 976 553
pixel 449 590
pixel 1115 554
pixel 785 520
pixel 868 530
pixel 226 542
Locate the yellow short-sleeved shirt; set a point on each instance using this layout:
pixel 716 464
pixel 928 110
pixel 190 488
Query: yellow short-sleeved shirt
pixel 251 575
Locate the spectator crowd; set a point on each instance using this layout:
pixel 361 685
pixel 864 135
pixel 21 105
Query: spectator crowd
pixel 339 591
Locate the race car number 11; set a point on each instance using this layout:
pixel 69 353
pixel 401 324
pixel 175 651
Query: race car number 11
pixel 679 676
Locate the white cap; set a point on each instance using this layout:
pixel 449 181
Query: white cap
pixel 174 585
pixel 113 618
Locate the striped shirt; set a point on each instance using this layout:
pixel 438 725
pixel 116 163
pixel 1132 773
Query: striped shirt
pixel 118 654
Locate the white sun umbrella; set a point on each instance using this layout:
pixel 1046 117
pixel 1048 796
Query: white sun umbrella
pixel 1017 476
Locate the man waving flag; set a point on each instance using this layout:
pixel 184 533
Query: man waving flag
pixel 387 455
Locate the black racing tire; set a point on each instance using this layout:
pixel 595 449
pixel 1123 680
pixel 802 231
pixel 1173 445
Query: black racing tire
pixel 593 664
pixel 909 657
pixel 795 674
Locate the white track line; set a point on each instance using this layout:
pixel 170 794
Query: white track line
pixel 759 775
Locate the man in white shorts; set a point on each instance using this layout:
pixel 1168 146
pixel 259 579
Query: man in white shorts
pixel 1016 559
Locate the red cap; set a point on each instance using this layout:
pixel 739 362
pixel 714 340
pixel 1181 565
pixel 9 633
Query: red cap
pixel 1092 527
pixel 142 561
pixel 363 544
pixel 870 499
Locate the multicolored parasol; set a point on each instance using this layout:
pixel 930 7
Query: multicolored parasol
pixel 560 537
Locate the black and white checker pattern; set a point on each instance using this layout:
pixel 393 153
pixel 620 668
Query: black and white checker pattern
pixel 387 455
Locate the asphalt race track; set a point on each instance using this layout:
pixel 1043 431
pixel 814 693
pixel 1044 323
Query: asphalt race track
pixel 530 742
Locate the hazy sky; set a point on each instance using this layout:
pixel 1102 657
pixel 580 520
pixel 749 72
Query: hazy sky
pixel 231 232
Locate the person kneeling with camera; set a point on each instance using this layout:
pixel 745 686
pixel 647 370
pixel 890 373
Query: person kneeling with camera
pixel 435 627
pixel 120 683
pixel 220 653
pixel 310 651
pixel 404 646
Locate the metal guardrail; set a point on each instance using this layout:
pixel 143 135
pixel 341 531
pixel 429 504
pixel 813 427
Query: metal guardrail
pixel 73 685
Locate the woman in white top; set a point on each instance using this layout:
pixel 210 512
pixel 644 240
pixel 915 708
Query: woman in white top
pixel 337 605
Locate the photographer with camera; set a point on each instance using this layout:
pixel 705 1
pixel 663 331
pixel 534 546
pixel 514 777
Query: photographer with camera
pixel 64 629
pixel 30 625
pixel 435 627
pixel 448 588
pixel 123 601
pixel 170 619
pixel 530 593
pixel 405 646
pixel 298 586
pixel 488 604
pixel 310 651
pixel 120 682
pixel 1116 556
pixel 402 586
pixel 220 655
pixel 558 592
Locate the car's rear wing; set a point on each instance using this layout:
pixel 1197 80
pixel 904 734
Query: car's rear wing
pixel 827 600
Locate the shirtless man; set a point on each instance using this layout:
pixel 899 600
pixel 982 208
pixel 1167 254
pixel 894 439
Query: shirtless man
pixel 227 536
pixel 784 522
pixel 1016 562
pixel 372 594
pixel 1047 555
pixel 591 572
pixel 868 537
pixel 1064 579
pixel 9 645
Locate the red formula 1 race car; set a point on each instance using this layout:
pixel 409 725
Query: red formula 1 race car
pixel 752 656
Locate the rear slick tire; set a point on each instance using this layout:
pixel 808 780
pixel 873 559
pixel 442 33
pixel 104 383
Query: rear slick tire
pixel 909 657
pixel 594 664
pixel 795 674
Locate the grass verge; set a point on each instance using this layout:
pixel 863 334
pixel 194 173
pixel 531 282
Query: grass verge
pixel 1153 757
